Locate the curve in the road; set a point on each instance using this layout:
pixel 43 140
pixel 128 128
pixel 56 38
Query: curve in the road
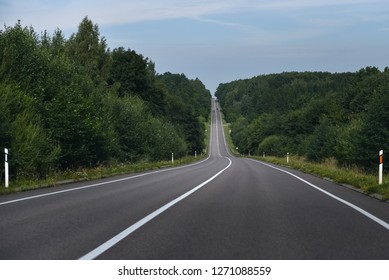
pixel 110 243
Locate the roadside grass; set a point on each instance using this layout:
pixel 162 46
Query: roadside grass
pixel 100 172
pixel 231 146
pixel 207 137
pixel 86 174
pixel 349 177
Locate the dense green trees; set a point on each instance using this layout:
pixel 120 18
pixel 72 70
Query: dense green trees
pixel 313 114
pixel 33 151
pixel 133 74
pixel 69 103
pixel 188 107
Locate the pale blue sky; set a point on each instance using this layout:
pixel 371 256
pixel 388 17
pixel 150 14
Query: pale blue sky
pixel 221 41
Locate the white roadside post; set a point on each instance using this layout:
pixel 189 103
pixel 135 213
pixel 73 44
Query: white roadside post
pixel 381 167
pixel 6 168
pixel 172 158
pixel 287 157
pixel 195 154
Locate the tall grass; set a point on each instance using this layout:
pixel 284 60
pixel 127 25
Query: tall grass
pixel 207 135
pixel 104 171
pixel 99 172
pixel 353 176
pixel 231 146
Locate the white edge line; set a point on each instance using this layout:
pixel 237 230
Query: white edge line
pixel 360 210
pixel 102 183
pixel 114 240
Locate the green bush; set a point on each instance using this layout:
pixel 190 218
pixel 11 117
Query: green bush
pixel 274 145
pixel 31 151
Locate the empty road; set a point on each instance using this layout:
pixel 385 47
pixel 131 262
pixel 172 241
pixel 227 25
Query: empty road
pixel 220 208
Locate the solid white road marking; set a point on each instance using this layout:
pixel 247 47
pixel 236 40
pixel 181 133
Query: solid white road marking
pixel 114 240
pixel 360 210
pixel 102 183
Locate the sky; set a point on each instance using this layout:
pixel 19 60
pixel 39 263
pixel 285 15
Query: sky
pixel 219 41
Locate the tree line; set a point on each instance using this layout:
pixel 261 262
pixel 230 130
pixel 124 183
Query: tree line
pixel 318 115
pixel 71 103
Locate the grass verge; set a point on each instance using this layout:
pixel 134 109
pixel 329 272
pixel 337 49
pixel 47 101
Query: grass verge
pixel 349 177
pixel 207 137
pixel 85 174
pixel 227 133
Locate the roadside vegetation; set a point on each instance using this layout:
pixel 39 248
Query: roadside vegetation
pixel 329 169
pixel 62 177
pixel 334 124
pixel 71 104
pixel 317 115
pixel 227 134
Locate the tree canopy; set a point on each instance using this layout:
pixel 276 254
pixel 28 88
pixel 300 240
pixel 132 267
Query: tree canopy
pixel 318 115
pixel 70 103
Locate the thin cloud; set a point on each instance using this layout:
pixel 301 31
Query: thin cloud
pixel 67 14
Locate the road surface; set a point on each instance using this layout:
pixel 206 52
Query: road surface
pixel 220 208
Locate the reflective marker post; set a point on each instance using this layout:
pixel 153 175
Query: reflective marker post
pixel 6 168
pixel 381 168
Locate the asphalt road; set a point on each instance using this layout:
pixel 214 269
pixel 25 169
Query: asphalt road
pixel 220 208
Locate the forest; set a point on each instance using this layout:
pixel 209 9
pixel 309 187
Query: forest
pixel 316 115
pixel 68 103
